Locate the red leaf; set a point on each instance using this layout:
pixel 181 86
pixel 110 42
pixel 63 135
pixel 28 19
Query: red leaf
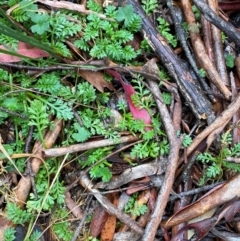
pixel 25 50
pixel 129 91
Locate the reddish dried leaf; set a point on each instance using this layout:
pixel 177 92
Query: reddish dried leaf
pixel 129 91
pixel 201 228
pixel 229 210
pixel 25 50
pixel 152 198
pixel 99 219
pixel 108 230
pixel 96 79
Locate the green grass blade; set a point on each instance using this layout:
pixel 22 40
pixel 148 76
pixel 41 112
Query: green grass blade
pixel 29 40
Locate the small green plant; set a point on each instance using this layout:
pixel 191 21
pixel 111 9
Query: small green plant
pixel 143 97
pixel 133 207
pixel 101 167
pixel 9 234
pixel 216 164
pixel 224 37
pixel 149 6
pixel 104 38
pixel 61 225
pixel 17 215
pixel 196 12
pixel 187 140
pixel 202 73
pixel 230 60
pixel 164 29
pixel 55 195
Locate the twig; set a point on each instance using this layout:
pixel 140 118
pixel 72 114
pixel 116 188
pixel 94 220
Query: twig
pixel 218 47
pixel 13 113
pixel 73 6
pixel 29 139
pixel 225 116
pixel 163 195
pixel 24 185
pixel 110 208
pixel 175 66
pixel 200 51
pixel 178 18
pixel 61 151
pixel 194 191
pixel 79 228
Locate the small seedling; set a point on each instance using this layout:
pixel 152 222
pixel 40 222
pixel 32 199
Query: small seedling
pixel 216 164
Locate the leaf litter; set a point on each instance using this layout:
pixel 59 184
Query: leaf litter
pixel 142 173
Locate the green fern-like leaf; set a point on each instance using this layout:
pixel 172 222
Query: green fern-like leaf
pixel 135 24
pixel 128 53
pixel 82 44
pixel 49 83
pixel 123 36
pixel 94 6
pixel 17 215
pixel 60 108
pixel 62 49
pixel 149 5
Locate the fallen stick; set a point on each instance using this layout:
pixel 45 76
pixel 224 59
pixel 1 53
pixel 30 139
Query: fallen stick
pixel 224 26
pixel 175 143
pixel 61 151
pixel 24 185
pixel 110 208
pixel 200 51
pixel 218 196
pixel 225 116
pixel 218 47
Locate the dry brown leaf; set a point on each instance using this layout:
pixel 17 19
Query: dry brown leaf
pixel 99 219
pixel 108 230
pixel 221 195
pixel 96 79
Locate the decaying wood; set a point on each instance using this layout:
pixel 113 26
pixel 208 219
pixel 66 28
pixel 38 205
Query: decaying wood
pixel 200 52
pixel 176 68
pixel 224 26
pixel 140 171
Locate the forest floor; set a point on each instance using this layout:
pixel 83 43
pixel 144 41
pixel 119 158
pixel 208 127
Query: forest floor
pixel 119 120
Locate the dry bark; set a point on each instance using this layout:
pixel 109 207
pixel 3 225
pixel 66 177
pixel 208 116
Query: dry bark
pixel 200 52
